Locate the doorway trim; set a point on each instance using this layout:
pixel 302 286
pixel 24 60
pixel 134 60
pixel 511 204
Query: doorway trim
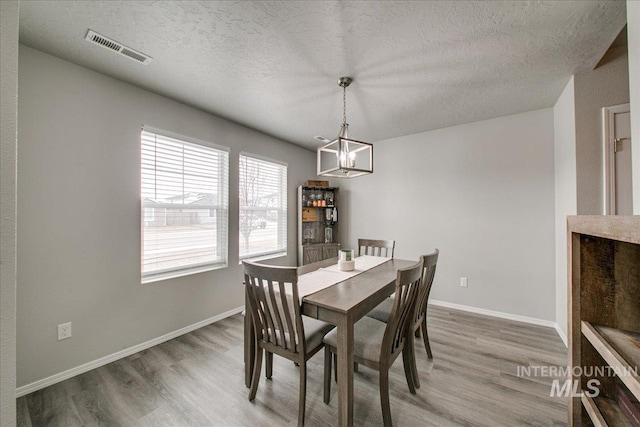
pixel 608 155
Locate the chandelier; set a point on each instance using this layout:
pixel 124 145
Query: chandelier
pixel 344 157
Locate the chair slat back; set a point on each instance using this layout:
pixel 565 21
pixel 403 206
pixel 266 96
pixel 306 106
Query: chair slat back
pixel 428 272
pixel 383 248
pixel 401 316
pixel 272 293
pixel 308 268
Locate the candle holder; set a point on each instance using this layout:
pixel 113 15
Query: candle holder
pixel 346 260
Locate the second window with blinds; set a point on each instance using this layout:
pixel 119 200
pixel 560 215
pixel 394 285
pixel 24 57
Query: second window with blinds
pixel 263 207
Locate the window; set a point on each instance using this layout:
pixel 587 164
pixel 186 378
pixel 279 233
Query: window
pixel 184 191
pixel 263 207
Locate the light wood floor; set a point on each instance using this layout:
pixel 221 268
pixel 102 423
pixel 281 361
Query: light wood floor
pixel 197 380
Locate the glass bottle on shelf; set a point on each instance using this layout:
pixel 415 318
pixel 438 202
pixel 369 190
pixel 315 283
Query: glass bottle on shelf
pixel 329 198
pixel 308 235
pixel 328 235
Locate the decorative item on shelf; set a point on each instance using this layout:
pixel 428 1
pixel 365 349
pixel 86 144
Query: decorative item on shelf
pixel 308 235
pixel 328 215
pixel 328 235
pixel 329 198
pixel 309 215
pixel 312 183
pixel 345 260
pixel 345 157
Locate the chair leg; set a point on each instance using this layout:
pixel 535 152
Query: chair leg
pixel 327 375
pixel 355 366
pixel 257 367
pixel 414 366
pixel 384 396
pixel 425 338
pixel 335 367
pixel 269 363
pixel 408 361
pixel 249 349
pixel 303 392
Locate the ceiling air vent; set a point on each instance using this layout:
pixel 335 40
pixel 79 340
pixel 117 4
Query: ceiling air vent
pixel 114 46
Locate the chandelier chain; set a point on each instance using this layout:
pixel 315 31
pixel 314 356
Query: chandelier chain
pixel 344 105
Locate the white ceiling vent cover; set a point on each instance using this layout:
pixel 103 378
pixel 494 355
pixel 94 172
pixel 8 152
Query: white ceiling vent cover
pixel 114 46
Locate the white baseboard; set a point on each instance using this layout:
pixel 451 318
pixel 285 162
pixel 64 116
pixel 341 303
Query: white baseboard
pixel 563 336
pixel 53 379
pixel 499 314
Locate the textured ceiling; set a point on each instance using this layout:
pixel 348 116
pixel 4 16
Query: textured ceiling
pixel 273 66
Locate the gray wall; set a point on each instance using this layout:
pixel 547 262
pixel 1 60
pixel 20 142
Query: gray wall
pixel 605 86
pixel 564 122
pixel 579 155
pixel 483 193
pixel 8 140
pixel 79 210
pixel 633 32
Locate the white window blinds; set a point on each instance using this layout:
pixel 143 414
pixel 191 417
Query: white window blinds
pixel 263 207
pixel 184 189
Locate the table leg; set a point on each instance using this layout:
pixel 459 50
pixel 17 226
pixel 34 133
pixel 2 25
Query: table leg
pixel 345 372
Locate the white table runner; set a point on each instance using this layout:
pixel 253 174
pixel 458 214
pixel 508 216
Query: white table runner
pixel 328 276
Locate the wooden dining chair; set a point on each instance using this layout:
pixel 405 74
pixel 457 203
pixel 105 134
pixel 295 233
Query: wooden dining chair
pixel 279 327
pixel 376 247
pixel 308 268
pixel 383 311
pixel 377 344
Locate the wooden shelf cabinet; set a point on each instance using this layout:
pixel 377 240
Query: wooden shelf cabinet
pixel 604 412
pixel 314 242
pixel 604 307
pixel 319 252
pixel 620 349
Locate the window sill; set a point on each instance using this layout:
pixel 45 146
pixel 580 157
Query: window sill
pixel 263 257
pixel 182 273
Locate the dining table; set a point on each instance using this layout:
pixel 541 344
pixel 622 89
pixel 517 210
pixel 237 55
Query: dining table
pixel 342 302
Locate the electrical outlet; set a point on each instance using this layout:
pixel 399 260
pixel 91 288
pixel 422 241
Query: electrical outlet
pixel 464 282
pixel 64 331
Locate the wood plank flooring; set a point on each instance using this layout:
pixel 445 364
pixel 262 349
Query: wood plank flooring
pixel 198 380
